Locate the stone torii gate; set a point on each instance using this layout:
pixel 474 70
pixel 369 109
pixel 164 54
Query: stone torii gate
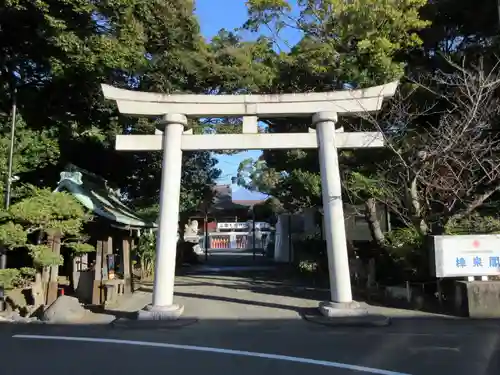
pixel 173 137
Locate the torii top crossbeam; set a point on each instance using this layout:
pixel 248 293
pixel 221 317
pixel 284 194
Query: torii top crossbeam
pixel 344 102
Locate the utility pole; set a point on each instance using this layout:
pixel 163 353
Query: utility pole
pixel 8 182
pixel 11 149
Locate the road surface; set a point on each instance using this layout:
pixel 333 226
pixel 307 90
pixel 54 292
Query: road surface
pixel 409 346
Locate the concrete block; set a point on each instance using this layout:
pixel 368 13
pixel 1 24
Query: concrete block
pixel 478 299
pixel 347 314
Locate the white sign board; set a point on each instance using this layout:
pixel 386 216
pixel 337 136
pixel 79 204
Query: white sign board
pixel 468 255
pixel 259 225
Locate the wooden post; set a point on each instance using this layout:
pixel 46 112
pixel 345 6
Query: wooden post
pixel 99 262
pixel 127 276
pixel 109 246
pixel 207 238
pixel 53 241
pixel 253 232
pixel 109 251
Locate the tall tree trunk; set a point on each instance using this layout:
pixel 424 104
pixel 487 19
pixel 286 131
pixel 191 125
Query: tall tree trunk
pixel 373 221
pixel 419 223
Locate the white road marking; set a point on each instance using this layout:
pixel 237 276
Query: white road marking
pixel 215 350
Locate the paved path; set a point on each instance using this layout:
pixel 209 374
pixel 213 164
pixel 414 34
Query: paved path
pixel 254 331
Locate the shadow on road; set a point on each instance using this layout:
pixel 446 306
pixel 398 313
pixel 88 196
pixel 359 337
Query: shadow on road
pixel 410 345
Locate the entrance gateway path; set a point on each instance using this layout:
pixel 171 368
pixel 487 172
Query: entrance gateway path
pixel 173 137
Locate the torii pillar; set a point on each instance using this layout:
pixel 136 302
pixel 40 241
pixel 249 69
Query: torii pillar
pixel 173 138
pixel 166 240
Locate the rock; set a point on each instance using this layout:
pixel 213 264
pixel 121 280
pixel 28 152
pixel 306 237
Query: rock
pixel 16 299
pixel 65 309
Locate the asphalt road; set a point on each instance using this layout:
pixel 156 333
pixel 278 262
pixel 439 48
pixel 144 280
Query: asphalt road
pixel 424 346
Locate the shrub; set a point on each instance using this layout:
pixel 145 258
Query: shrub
pixel 9 278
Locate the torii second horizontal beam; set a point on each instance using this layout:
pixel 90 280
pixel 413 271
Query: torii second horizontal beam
pixel 215 142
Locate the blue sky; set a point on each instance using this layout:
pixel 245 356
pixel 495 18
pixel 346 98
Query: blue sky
pixel 214 15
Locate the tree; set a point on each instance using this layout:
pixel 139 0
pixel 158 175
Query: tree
pixel 344 44
pixel 55 55
pixel 33 150
pixel 440 165
pixel 35 220
pixel 255 176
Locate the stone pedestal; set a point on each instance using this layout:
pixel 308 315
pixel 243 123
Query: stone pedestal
pixel 348 314
pixel 150 312
pixel 478 299
pixel 338 309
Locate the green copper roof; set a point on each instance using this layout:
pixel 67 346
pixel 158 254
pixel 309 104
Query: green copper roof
pixel 94 193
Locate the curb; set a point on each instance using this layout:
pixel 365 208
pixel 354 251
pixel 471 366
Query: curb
pixel 153 324
pixel 370 320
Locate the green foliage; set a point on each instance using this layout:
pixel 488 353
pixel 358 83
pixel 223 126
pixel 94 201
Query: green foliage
pixel 358 43
pixel 57 53
pixel 363 187
pixel 267 210
pixel 409 255
pixel 9 278
pixel 80 248
pixel 310 255
pixel 54 213
pixel 255 176
pixel 12 235
pixel 43 256
pixel 343 41
pixel 45 213
pixel 32 149
pixel 404 238
pixel 27 272
pixel 146 252
pixel 473 224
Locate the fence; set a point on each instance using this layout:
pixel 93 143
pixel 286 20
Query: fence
pixel 433 296
pixel 235 241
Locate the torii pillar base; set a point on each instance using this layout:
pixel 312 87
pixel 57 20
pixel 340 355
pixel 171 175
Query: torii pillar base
pixel 349 314
pixel 151 312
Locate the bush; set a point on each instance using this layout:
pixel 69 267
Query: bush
pixel 310 254
pixel 9 278
pixel 146 252
pixel 473 224
pixel 407 256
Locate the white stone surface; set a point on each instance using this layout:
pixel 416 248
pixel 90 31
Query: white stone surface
pixel 331 187
pixel 248 141
pixel 153 312
pixel 250 125
pixel 343 102
pixel 340 310
pixel 166 244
